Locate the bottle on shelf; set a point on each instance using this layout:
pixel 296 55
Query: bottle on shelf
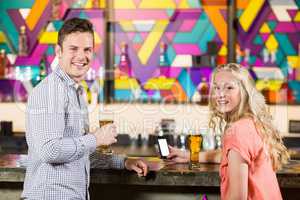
pixel 96 4
pixel 9 69
pixel 247 57
pixel 265 56
pixel 286 94
pixel 125 64
pixel 3 63
pixel 163 59
pixel 18 73
pixel 274 97
pixel 90 75
pixel 273 57
pixel 291 72
pixel 297 70
pixel 238 55
pixel 204 91
pixel 79 4
pixel 55 9
pixel 23 42
pixel 28 73
pixel 290 96
pixel 266 91
pixel 43 68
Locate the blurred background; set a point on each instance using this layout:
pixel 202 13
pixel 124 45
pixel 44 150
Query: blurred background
pixel 153 58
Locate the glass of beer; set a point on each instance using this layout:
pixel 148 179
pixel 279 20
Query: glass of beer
pixel 105 149
pixel 194 141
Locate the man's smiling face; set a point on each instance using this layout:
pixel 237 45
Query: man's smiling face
pixel 75 54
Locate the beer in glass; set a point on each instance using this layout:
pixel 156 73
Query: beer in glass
pixel 195 141
pixel 105 149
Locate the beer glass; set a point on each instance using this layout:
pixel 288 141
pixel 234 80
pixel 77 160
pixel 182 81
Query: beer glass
pixel 105 149
pixel 194 141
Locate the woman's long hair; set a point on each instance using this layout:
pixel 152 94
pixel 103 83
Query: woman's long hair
pixel 252 105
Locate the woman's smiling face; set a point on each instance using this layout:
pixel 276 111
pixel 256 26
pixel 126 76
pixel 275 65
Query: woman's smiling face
pixel 226 92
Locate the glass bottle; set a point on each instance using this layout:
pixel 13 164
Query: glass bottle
pixel 18 73
pixel 203 90
pixel 43 68
pixel 163 60
pixel 23 42
pixel 3 63
pixel 290 96
pixel 265 91
pixel 247 57
pixel 55 9
pixel 273 96
pixel 95 4
pixel 238 55
pixel 265 56
pixel 125 64
pixel 291 72
pixel 273 57
pixel 297 69
pixel 28 73
pixel 283 92
pixel 8 68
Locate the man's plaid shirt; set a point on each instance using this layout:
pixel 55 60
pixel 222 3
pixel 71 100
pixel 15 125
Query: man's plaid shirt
pixel 59 144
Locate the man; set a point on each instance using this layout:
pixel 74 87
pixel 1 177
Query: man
pixel 59 142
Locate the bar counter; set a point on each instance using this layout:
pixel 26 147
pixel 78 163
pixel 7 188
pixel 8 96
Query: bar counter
pixel 164 178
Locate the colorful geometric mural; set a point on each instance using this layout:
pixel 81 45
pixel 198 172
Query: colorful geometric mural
pixel 42 31
pixel 270 31
pixel 268 36
pixel 185 27
pixel 193 32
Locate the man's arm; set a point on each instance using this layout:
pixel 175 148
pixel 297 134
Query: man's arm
pixel 103 161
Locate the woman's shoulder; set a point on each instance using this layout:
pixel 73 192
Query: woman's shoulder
pixel 245 122
pixel 242 126
pixel 243 133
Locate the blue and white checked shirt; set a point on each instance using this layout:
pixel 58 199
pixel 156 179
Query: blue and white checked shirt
pixel 58 147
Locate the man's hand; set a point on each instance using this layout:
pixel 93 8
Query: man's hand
pixel 136 165
pixel 106 135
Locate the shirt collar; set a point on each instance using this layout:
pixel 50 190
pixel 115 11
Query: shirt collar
pixel 66 77
pixel 78 88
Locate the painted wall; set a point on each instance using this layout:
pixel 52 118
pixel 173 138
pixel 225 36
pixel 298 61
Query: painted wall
pixel 265 29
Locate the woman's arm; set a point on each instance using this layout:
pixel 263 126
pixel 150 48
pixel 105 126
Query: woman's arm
pixel 211 156
pixel 183 156
pixel 238 176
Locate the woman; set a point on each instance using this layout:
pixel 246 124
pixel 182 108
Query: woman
pixel 252 149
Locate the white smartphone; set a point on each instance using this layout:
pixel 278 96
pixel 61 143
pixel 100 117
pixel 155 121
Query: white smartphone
pixel 163 147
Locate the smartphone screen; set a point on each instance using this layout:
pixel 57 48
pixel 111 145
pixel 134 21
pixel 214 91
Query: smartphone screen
pixel 163 147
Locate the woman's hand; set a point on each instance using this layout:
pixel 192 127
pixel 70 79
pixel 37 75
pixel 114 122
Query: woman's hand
pixel 178 156
pixel 183 156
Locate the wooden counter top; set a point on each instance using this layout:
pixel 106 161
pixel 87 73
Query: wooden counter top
pixel 161 174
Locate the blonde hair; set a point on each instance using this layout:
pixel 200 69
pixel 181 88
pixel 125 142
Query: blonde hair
pixel 252 104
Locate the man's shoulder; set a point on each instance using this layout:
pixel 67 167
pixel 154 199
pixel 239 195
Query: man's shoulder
pixel 51 86
pixel 52 80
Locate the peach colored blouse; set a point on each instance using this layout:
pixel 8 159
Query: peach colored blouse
pixel 243 137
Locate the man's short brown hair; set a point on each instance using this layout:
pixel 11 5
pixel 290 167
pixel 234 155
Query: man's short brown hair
pixel 74 25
